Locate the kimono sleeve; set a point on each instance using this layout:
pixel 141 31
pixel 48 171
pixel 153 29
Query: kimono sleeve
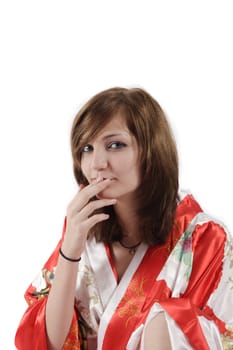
pixel 31 332
pixel 205 309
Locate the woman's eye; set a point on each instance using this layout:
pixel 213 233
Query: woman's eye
pixel 87 148
pixel 116 145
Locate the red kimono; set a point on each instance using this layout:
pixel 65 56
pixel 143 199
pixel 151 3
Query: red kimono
pixel 190 279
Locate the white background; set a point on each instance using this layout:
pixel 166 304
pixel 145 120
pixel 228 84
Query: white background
pixel 57 54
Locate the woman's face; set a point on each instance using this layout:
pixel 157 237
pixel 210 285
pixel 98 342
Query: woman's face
pixel 113 154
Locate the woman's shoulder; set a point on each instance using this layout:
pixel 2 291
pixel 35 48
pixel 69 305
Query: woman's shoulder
pixel 200 220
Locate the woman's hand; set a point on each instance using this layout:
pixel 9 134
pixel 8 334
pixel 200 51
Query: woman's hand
pixel 80 219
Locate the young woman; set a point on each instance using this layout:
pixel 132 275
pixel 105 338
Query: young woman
pixel 139 264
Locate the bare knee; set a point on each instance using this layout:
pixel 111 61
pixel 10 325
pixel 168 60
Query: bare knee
pixel 156 334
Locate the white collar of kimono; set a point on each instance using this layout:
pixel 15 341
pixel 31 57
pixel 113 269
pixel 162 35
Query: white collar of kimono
pixel 111 293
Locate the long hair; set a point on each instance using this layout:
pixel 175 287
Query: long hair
pixel 157 193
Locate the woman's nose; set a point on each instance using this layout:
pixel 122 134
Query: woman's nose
pixel 99 160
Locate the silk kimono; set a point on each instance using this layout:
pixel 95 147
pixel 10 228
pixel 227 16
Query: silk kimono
pixel 189 278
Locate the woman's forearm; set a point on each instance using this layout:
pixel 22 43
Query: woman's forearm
pixel 60 303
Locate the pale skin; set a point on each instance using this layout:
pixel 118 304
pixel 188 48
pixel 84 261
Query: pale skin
pixel 110 164
pixel 156 334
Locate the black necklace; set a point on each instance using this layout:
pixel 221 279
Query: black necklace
pixel 132 249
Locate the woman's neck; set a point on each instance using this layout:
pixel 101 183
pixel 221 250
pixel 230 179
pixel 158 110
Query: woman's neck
pixel 129 223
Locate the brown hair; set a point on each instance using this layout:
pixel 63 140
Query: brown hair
pixel 158 192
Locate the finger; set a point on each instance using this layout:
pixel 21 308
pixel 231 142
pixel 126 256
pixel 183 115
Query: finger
pixel 94 205
pixel 86 194
pixel 94 188
pixel 93 220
